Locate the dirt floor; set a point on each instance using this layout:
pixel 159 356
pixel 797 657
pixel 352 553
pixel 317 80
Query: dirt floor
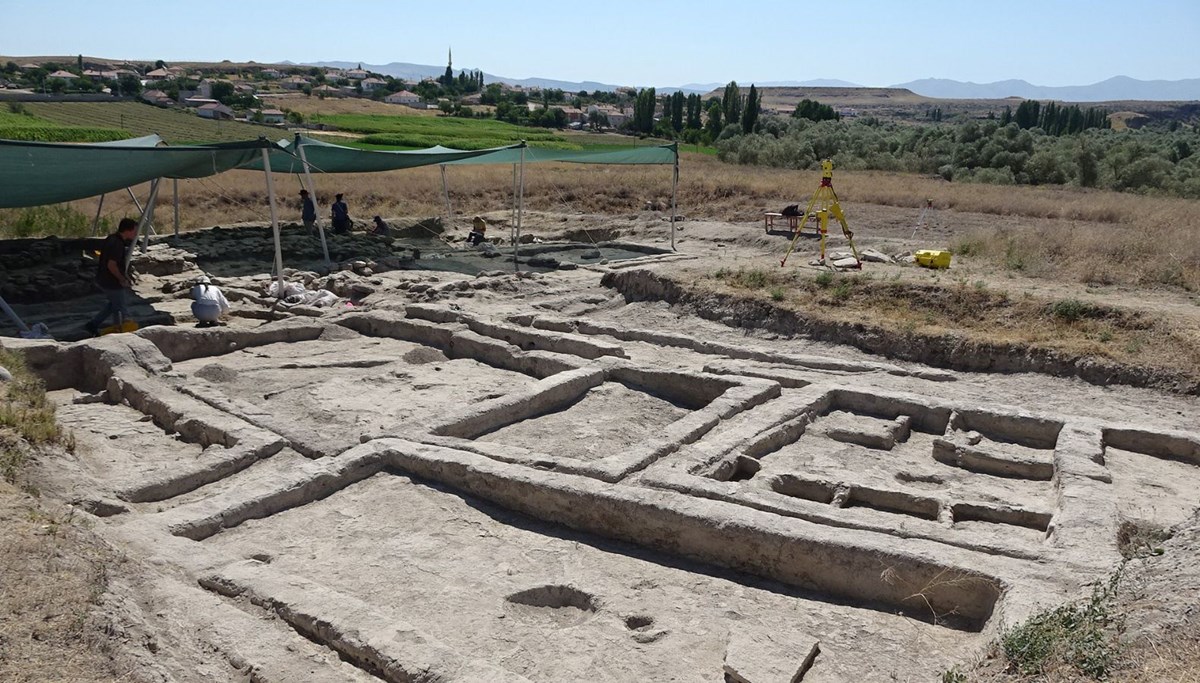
pixel 623 469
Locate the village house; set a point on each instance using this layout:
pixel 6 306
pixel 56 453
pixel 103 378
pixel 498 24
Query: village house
pixel 270 73
pixel 403 97
pixel 159 75
pixel 272 116
pixel 356 74
pixel 216 111
pixel 328 91
pixel 197 101
pixel 204 89
pixel 64 75
pixel 157 97
pixel 293 82
pixel 372 84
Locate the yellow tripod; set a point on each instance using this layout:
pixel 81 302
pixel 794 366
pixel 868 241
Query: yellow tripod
pixel 824 203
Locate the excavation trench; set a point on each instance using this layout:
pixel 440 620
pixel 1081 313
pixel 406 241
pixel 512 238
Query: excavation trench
pixel 951 351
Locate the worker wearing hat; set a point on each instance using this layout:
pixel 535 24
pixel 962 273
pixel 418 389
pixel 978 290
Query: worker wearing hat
pixel 308 212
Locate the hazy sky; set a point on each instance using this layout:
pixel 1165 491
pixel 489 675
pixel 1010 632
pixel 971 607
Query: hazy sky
pixel 646 42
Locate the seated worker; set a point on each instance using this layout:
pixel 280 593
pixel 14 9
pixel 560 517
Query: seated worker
pixel 208 303
pixel 478 228
pixel 381 228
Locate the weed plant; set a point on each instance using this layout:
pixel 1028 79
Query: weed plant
pixel 1081 636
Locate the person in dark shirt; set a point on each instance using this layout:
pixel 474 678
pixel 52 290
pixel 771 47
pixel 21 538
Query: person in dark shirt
pixel 308 212
pixel 111 276
pixel 341 216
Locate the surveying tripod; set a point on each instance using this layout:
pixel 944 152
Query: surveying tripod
pixel 926 218
pixel 823 204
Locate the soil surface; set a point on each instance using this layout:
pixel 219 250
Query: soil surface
pixel 292 507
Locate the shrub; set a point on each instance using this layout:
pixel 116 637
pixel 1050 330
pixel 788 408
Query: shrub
pixel 1081 636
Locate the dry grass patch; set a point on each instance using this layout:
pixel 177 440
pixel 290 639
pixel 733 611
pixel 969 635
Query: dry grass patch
pixel 53 572
pixel 974 311
pixel 26 418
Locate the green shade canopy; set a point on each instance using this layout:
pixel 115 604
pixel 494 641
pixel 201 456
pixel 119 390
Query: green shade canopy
pixel 38 173
pixel 325 157
pixel 657 154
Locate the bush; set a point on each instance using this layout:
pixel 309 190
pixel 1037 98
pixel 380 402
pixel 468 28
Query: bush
pixel 40 221
pixel 1082 636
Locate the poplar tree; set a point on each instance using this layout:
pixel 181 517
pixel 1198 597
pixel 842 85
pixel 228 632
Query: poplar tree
pixel 753 106
pixel 731 104
pixel 677 111
pixel 693 112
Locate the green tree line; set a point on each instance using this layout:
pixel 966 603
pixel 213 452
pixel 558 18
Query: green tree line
pixel 1145 161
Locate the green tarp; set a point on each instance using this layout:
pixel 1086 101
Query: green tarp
pixel 657 154
pixel 324 157
pixel 38 173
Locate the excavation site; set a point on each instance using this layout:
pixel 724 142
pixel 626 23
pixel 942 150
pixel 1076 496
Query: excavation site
pixel 588 472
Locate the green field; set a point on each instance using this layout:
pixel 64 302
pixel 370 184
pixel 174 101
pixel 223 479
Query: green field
pixel 103 121
pixel 133 119
pixel 23 125
pixel 416 132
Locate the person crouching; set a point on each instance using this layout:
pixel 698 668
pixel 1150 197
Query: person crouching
pixel 208 303
pixel 478 232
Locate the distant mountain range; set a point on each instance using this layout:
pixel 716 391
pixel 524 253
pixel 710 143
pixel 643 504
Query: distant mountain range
pixel 1116 88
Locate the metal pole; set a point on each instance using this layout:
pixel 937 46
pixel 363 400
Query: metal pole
pixel 512 223
pixel 446 195
pixel 96 220
pixel 520 211
pixel 266 154
pixel 148 215
pixel 175 187
pixel 13 315
pixel 312 192
pixel 674 189
pixel 139 206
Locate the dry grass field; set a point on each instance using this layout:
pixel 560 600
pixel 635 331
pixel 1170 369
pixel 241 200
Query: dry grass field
pixel 1054 233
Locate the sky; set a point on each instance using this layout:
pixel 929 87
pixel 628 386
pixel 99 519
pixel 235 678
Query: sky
pixel 648 43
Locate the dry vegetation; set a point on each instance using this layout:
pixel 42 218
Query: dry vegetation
pixel 53 570
pixel 975 312
pixel 1096 236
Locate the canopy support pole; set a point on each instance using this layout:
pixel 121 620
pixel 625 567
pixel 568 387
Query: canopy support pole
pixel 446 195
pixel 144 228
pixel 139 205
pixel 512 223
pixel 520 211
pixel 266 155
pixel 312 192
pixel 12 315
pixel 674 190
pixel 175 188
pixel 96 220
